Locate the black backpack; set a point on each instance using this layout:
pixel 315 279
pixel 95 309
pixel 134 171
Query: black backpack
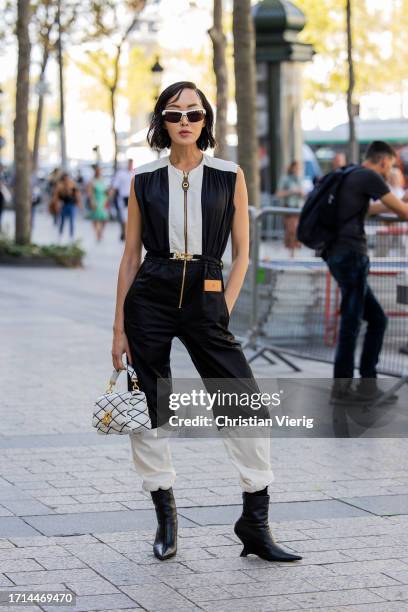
pixel 318 222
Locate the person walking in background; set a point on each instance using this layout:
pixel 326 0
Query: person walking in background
pixel 98 198
pixel 2 199
pixel 79 179
pixel 53 207
pixel 338 161
pixel 67 198
pixel 6 196
pixel 120 188
pixel 291 191
pixel 35 188
pixel 348 262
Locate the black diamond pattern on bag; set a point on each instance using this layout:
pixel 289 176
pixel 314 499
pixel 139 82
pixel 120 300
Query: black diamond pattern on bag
pixel 121 412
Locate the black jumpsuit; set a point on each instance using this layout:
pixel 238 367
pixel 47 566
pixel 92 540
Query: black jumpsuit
pixel 180 297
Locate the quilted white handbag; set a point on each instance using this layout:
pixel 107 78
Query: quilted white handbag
pixel 121 413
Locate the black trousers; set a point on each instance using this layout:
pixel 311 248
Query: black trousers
pixel 152 318
pixel 358 303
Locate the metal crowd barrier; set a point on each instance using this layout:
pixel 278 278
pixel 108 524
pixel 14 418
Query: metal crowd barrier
pixel 290 305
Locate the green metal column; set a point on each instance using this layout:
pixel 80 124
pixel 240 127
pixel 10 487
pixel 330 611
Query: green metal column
pixel 277 25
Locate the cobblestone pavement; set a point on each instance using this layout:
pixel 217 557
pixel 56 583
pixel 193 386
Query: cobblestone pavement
pixel 72 512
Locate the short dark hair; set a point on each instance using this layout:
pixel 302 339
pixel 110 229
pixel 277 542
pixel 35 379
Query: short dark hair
pixel 158 137
pixel 379 149
pixel 292 166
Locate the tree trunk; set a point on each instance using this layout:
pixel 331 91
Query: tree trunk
pixel 245 95
pixel 353 155
pixel 22 190
pixel 219 42
pixel 40 109
pixel 114 133
pixel 113 104
pixel 64 160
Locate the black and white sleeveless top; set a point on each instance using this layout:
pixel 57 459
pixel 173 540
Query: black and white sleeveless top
pixel 210 205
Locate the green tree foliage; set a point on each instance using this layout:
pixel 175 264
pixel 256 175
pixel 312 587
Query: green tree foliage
pixel 326 31
pixel 398 27
pixel 100 66
pixel 138 84
pixel 109 26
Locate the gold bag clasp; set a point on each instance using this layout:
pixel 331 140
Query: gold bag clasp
pixel 107 418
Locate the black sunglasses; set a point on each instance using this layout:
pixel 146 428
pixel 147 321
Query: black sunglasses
pixel 174 116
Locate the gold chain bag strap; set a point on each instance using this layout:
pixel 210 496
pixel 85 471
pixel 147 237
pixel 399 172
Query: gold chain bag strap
pixel 124 412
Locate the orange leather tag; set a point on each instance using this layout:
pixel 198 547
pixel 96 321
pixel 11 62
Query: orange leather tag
pixel 211 284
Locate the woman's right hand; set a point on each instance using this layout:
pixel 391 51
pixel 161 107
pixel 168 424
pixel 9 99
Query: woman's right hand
pixel 120 345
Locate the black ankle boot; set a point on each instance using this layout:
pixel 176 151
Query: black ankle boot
pixel 253 530
pixel 165 543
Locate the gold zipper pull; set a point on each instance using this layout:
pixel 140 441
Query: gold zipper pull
pixel 185 185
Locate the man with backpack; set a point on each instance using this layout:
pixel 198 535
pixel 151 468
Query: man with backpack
pixel 332 221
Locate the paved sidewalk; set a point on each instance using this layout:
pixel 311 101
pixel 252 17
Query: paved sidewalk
pixel 72 512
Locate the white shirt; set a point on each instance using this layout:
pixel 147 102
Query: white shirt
pixel 121 181
pixel 176 208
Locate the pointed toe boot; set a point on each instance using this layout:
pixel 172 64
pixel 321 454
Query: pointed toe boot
pixel 165 543
pixel 253 530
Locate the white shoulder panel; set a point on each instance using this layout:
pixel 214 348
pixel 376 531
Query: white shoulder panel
pixel 151 166
pixel 221 164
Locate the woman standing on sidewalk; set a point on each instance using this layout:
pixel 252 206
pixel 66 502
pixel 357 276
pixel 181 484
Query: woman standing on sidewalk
pixel 66 199
pixel 98 197
pixel 290 189
pixel 182 208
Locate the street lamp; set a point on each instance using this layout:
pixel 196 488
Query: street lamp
pixel 157 70
pixel 95 149
pixel 279 54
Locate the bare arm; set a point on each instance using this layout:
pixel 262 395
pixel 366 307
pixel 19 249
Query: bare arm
pixel 390 202
pixel 282 193
pixel 90 194
pixel 78 198
pixel 55 195
pixel 129 265
pixel 377 207
pixel 239 242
